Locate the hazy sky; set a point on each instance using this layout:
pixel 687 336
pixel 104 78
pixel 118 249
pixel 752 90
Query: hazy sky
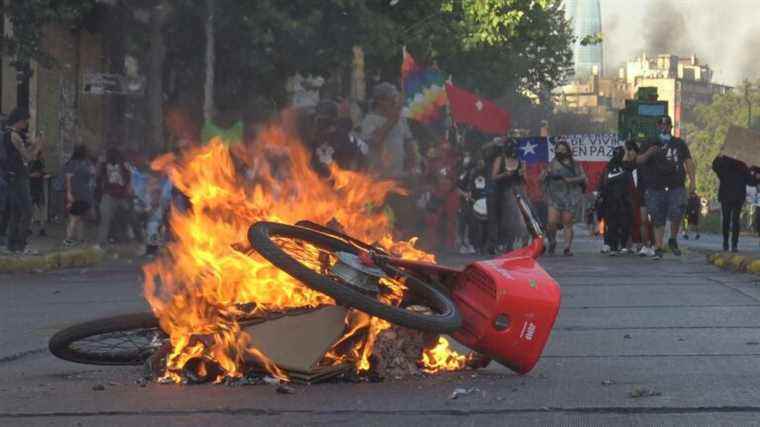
pixel 723 33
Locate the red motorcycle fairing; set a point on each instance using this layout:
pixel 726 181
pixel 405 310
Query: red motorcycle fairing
pixel 508 307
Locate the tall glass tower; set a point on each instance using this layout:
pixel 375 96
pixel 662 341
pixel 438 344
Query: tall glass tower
pixel 586 17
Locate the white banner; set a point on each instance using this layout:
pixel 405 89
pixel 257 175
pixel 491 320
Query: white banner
pixel 588 147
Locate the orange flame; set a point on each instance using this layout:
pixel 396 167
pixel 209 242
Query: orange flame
pixel 442 358
pixel 203 287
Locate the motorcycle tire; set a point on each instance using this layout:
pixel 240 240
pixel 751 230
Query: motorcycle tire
pixel 446 317
pixel 128 339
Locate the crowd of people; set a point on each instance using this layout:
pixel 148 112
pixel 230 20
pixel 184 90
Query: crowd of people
pixel 124 201
pixel 463 194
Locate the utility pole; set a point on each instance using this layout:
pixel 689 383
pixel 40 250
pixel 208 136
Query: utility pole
pixel 749 103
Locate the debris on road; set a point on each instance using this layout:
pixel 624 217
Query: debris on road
pixel 98 387
pixel 608 382
pixel 627 336
pixel 397 352
pixel 285 389
pixel 639 392
pixel 463 392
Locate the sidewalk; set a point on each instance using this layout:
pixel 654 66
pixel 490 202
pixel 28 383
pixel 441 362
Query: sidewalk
pixel 53 256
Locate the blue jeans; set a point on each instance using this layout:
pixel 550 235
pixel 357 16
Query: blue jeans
pixel 664 205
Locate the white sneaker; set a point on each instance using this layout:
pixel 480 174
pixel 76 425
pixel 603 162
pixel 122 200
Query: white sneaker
pixel 471 250
pixel 625 251
pixel 464 250
pixel 605 249
pixel 650 252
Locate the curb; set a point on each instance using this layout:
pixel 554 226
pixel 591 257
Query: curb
pixel 71 258
pixel 734 262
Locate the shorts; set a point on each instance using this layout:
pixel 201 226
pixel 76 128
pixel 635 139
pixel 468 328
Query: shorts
pixel 79 208
pixel 664 205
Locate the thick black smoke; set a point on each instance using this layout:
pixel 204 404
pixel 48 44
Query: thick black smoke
pixel 722 33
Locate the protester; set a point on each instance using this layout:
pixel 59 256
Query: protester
pixel 116 193
pixel 667 161
pixel 331 142
pixel 17 156
pixel 691 222
pixel 465 169
pixel 37 181
pixel 734 177
pixel 564 180
pixel 393 150
pixel 79 183
pixel 495 233
pixel 616 202
pixel 508 174
pixel 477 191
pixel 642 230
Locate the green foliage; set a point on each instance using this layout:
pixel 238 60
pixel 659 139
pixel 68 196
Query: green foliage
pixel 495 47
pixel 592 39
pixel 29 17
pixel 706 132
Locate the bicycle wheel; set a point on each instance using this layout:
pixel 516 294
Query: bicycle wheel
pixel 128 339
pixel 311 256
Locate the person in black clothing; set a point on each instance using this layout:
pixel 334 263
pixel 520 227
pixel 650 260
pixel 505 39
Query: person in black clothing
pixel 17 156
pixel 466 169
pixel 669 161
pixel 614 190
pixel 478 193
pixel 508 172
pixel 734 178
pixel 331 142
pixel 691 222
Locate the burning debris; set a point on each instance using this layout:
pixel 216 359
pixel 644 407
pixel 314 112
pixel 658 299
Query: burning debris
pixel 205 290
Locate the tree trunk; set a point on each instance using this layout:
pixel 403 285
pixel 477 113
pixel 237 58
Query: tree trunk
pixel 155 95
pixel 208 88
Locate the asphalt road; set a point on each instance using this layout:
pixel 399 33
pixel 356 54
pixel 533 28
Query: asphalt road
pixel 679 328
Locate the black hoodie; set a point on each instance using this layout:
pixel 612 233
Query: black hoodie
pixel 734 178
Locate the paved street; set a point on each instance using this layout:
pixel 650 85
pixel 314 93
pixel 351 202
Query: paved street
pixel 679 329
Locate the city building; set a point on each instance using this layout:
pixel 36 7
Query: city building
pixel 683 82
pixel 586 19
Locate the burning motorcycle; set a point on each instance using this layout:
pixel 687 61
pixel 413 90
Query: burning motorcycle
pixel 503 308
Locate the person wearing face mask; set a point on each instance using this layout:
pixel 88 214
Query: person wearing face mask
pixel 669 161
pixel 615 192
pixel 563 180
pixel 508 173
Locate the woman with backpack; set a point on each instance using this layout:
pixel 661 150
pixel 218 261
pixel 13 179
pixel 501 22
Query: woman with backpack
pixel 564 182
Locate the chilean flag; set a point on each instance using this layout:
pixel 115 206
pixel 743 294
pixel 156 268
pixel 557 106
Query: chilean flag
pixel 535 153
pixel 481 113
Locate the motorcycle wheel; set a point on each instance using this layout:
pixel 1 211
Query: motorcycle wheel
pixel 129 339
pixel 270 240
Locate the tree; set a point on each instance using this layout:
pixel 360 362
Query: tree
pixel 706 131
pixel 507 47
pixel 28 19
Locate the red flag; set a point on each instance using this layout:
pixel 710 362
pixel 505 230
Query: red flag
pixel 480 113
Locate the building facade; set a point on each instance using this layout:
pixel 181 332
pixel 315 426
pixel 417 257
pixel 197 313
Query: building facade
pixel 586 19
pixel 682 81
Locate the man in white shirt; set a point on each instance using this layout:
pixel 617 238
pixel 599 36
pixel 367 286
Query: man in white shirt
pixel 393 150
